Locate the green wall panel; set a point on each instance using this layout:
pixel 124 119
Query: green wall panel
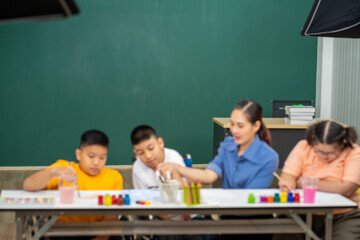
pixel 172 64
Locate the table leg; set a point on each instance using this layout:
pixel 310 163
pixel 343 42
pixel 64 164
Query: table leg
pixel 19 227
pixel 308 223
pixel 45 227
pixel 308 231
pixel 328 225
pixel 29 227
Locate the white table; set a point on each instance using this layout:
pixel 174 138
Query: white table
pixel 214 201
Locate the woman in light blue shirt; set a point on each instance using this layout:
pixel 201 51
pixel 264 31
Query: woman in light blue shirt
pixel 245 159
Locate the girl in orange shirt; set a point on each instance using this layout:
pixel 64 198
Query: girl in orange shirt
pixel 329 153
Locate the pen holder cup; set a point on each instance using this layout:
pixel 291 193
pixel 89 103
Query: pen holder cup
pixel 192 194
pixel 169 191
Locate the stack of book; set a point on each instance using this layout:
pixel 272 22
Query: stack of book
pixel 299 115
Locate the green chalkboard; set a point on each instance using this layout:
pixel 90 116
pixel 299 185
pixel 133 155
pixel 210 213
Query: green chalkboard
pixel 172 64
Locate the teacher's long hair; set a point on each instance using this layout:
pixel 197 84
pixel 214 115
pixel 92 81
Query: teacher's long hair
pixel 253 112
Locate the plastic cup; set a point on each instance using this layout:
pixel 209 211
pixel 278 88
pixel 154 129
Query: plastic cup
pixel 309 186
pixel 66 190
pixel 169 191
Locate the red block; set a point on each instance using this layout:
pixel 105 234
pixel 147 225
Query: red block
pixel 100 200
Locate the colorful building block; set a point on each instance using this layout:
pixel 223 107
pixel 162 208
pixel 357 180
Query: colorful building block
pixel 290 197
pixel 120 200
pixel 127 199
pixel 251 198
pixel 277 197
pixel 263 199
pixel 283 197
pixel 100 200
pixel 107 200
pixel 270 199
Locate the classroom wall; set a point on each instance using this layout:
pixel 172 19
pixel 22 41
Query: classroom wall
pixel 344 79
pixel 173 64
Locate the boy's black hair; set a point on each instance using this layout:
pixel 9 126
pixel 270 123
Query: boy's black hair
pixel 141 133
pixel 94 137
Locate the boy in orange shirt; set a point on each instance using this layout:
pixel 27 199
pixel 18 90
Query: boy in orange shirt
pixel 89 172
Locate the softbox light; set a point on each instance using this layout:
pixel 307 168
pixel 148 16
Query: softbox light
pixel 333 18
pixel 36 10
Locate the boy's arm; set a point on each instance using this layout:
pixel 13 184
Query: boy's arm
pixel 39 180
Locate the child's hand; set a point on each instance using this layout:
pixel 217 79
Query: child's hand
pixel 168 170
pixel 67 173
pixel 286 186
